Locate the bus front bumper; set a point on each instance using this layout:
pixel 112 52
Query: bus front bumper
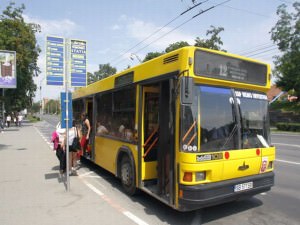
pixel 200 196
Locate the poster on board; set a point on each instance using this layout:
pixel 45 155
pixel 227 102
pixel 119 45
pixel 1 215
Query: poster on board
pixel 8 75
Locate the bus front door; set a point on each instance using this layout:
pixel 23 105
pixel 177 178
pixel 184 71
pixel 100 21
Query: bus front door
pixel 150 135
pixel 157 147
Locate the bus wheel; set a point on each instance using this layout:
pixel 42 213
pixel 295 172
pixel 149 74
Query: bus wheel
pixel 128 176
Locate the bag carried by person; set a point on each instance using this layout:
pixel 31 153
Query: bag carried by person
pixel 55 140
pixel 76 144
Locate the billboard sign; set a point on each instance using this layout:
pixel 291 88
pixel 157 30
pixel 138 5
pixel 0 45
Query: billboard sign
pixel 55 52
pixel 78 63
pixel 8 74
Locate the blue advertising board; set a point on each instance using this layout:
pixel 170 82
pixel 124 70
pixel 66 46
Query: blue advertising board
pixel 55 50
pixel 63 104
pixel 78 63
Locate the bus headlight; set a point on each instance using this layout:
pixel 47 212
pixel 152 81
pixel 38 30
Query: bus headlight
pixel 200 176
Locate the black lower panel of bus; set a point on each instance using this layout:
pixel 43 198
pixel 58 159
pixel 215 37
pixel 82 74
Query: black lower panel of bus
pixel 200 196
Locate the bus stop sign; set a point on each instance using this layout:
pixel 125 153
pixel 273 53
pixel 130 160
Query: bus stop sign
pixel 64 116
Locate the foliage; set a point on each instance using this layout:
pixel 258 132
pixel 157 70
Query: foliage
pixel 214 42
pixel 286 34
pixel 35 108
pixel 152 55
pixel 105 70
pixel 176 45
pixel 288 126
pixel 52 107
pixel 17 35
pixel 284 105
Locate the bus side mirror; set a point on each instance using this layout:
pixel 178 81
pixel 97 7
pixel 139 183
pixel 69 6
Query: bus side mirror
pixel 186 90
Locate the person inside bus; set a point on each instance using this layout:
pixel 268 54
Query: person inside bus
pixel 101 129
pixel 85 132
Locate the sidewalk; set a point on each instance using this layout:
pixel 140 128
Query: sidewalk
pixel 32 192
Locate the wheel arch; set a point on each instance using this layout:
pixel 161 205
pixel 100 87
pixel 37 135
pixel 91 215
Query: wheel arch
pixel 123 151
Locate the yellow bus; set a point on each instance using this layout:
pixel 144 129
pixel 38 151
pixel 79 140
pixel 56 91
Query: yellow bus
pixel 190 128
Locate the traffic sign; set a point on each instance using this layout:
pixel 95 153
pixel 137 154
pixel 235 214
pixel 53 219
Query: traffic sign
pixel 55 54
pixel 64 116
pixel 78 63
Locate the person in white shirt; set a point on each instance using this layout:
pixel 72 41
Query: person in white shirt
pixel 73 132
pixel 8 120
pixel 20 118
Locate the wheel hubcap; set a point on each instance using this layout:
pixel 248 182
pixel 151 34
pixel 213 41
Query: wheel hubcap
pixel 125 174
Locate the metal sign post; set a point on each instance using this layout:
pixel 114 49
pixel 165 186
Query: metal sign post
pixel 66 62
pixel 67 112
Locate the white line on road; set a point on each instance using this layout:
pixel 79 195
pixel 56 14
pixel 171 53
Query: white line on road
pixel 128 214
pixel 93 188
pixel 134 218
pixel 289 162
pixel 283 144
pixel 286 134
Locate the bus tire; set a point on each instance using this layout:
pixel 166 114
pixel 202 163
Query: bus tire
pixel 128 175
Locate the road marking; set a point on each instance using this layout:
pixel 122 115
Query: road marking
pixel 86 174
pixel 289 162
pixel 93 188
pixel 134 218
pixel 297 146
pixel 285 134
pixel 116 206
pixel 44 138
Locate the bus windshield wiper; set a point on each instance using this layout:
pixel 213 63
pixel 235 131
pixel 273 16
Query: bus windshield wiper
pixel 230 136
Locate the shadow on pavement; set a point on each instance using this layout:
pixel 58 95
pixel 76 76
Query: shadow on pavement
pixel 3 147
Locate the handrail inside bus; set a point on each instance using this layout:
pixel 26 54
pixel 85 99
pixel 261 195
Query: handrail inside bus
pixel 189 130
pixel 192 138
pixel 151 135
pixel 150 147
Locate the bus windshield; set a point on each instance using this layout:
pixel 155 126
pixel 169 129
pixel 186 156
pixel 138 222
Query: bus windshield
pixel 224 119
pixel 254 119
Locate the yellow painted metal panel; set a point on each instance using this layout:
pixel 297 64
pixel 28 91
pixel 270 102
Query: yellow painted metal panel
pixel 151 168
pixel 240 163
pixel 106 150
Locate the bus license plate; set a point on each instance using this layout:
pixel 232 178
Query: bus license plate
pixel 243 187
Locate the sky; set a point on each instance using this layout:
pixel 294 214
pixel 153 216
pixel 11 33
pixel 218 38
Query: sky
pixel 117 29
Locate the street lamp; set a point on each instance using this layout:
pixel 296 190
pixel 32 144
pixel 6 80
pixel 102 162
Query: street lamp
pixel 136 56
pixel 41 102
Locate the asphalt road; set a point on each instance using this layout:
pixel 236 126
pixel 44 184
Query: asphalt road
pixel 279 206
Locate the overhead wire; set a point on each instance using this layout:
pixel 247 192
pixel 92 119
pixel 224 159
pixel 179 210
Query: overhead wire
pixel 201 12
pixel 158 30
pixel 258 53
pixel 259 49
pixel 254 51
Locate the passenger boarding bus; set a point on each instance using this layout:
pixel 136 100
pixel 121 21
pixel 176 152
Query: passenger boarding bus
pixel 190 128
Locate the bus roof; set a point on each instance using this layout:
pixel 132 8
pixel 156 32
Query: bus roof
pixel 170 63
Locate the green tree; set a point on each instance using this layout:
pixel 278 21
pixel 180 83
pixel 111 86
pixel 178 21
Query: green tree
pixel 152 55
pixel 52 106
pixel 17 35
pixel 286 35
pixel 214 42
pixel 105 70
pixel 35 108
pixel 176 45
